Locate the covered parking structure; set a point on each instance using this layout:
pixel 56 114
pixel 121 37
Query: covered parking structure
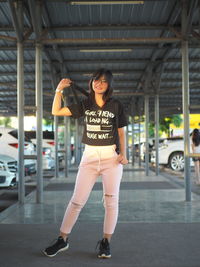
pixel 151 46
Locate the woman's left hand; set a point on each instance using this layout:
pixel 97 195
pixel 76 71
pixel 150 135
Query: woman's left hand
pixel 122 159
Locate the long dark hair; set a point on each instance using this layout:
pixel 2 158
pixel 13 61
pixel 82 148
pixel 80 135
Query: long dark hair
pixel 109 78
pixel 196 137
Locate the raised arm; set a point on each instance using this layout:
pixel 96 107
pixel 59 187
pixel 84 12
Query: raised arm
pixel 57 110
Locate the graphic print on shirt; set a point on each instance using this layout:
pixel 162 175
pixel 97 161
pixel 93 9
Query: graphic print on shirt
pixel 99 124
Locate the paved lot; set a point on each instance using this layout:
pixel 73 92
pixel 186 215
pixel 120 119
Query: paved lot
pixel 156 226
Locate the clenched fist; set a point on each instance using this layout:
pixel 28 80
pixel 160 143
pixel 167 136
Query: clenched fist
pixel 63 84
pixel 122 159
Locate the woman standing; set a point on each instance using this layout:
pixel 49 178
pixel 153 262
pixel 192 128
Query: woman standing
pixel 196 149
pixel 104 154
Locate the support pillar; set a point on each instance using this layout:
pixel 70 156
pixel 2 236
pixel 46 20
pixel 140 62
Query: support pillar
pixel 146 107
pixel 133 147
pixel 139 141
pixel 39 116
pixel 157 133
pixel 66 142
pixel 20 114
pixel 56 146
pixel 185 97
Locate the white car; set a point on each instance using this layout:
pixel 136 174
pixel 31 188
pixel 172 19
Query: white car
pixel 143 149
pixel 9 146
pixel 48 148
pixel 171 153
pixel 8 171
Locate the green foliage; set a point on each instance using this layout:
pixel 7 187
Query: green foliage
pixel 6 122
pixel 151 129
pixel 47 122
pixel 165 124
pixel 177 120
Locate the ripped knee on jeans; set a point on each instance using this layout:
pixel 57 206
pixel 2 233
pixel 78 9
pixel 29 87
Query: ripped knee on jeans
pixel 107 195
pixel 76 205
pixel 110 201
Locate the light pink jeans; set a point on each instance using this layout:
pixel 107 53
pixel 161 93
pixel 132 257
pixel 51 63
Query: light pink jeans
pixel 96 161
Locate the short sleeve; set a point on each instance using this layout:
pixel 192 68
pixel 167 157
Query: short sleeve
pixel 77 110
pixel 121 120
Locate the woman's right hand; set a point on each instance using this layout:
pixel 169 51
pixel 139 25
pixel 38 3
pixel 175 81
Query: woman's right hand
pixel 63 84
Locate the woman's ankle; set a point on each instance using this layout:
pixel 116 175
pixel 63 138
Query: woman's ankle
pixel 107 236
pixel 64 236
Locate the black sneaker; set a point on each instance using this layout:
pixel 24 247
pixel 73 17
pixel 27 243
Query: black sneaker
pixel 104 249
pixel 60 245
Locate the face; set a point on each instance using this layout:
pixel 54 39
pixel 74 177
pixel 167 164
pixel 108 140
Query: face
pixel 100 86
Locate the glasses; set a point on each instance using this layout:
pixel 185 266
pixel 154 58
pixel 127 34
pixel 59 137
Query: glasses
pixel 103 81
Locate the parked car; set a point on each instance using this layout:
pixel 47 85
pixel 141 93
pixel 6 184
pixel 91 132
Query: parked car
pixel 48 162
pixel 171 153
pixel 48 148
pixel 8 171
pixel 9 146
pixel 143 148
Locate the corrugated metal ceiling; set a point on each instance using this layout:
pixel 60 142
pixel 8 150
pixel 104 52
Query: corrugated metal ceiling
pixel 96 23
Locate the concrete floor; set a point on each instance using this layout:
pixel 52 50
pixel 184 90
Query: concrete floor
pixel 150 205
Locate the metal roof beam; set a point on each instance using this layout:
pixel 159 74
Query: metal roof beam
pixel 110 40
pixel 56 49
pixel 33 12
pixel 170 90
pixel 102 27
pixel 107 27
pixel 117 81
pixel 105 61
pixel 171 21
pixel 69 48
pixel 94 61
pixel 15 18
pixel 13 73
pixel 123 90
pixel 8 38
pixel 193 5
pixel 89 72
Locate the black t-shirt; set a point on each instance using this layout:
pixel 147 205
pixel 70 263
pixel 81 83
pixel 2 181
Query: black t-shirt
pixel 101 124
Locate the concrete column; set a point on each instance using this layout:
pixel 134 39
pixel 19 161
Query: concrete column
pixel 39 116
pixel 157 132
pixel 146 135
pixel 56 146
pixel 139 140
pixel 20 114
pixel 66 142
pixel 133 148
pixel 186 97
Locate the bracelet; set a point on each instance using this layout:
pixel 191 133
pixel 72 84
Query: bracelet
pixel 59 91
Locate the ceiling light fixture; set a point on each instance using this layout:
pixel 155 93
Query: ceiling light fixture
pixel 106 2
pixel 104 50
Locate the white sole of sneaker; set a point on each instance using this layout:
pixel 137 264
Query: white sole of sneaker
pixel 104 256
pixel 60 250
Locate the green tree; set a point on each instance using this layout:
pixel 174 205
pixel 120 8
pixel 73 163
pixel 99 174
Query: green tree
pixel 151 129
pixel 6 122
pixel 164 125
pixel 48 122
pixel 177 120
